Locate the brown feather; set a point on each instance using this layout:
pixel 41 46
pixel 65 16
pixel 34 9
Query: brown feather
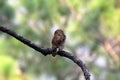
pixel 58 40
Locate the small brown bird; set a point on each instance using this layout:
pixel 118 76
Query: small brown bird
pixel 58 41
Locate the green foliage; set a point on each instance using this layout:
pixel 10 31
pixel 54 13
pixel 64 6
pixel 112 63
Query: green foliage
pixel 6 65
pixel 2 3
pixel 112 22
pixel 8 12
pixel 29 5
pixel 84 22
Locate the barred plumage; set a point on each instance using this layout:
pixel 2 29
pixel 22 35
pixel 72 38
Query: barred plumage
pixel 58 40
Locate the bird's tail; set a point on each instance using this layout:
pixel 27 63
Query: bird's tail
pixel 54 52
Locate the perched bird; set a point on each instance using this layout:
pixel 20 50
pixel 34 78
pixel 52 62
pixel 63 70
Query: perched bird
pixel 58 41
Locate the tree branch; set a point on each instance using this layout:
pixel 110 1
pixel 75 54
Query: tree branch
pixel 46 51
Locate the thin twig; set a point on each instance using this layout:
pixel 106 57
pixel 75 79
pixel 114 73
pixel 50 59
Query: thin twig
pixel 46 51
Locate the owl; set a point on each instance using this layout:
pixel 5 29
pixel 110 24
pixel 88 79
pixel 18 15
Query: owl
pixel 58 41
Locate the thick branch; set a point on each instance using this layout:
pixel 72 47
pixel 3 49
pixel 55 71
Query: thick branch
pixel 46 51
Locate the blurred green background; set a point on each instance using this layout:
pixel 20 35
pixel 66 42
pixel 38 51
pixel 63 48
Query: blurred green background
pixel 92 28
